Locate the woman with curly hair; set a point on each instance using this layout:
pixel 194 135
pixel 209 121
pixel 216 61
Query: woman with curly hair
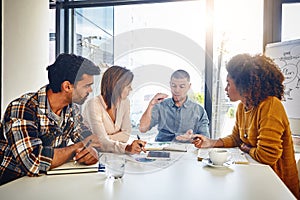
pixel 262 127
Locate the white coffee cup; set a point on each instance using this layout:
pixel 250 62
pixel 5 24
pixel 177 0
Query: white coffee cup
pixel 218 156
pixel 114 165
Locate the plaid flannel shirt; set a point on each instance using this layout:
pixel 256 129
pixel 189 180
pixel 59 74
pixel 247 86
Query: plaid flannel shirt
pixel 29 135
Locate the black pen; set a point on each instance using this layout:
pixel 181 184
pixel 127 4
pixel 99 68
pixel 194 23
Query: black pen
pixel 138 137
pixel 85 146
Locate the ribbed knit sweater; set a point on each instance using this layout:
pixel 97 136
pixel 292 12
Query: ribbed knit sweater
pixel 266 128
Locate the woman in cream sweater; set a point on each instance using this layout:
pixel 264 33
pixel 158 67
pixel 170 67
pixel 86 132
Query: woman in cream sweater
pixel 262 128
pixel 108 115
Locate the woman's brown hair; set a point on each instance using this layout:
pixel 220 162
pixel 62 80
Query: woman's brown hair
pixel 114 80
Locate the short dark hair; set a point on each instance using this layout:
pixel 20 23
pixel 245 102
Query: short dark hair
pixel 69 67
pixel 181 74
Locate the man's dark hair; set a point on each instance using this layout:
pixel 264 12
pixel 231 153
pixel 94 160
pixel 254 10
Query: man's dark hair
pixel 69 67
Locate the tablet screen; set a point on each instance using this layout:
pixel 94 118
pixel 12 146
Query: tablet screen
pixel 158 155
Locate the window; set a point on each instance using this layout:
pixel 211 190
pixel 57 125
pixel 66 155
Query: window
pixel 51 35
pixel 93 34
pixel 158 42
pixel 139 38
pixel 290 16
pixel 237 29
pixel 92 37
pixel 154 39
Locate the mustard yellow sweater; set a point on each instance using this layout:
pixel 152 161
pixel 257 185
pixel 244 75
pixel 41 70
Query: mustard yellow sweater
pixel 266 128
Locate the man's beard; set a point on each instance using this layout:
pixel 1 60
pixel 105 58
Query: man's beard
pixel 81 101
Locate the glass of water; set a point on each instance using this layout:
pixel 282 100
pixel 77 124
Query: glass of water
pixel 114 165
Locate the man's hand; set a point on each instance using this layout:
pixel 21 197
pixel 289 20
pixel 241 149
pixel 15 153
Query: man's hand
pixel 87 155
pixel 159 97
pixel 146 117
pixel 83 152
pixel 188 136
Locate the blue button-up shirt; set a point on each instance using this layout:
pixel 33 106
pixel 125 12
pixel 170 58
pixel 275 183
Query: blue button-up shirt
pixel 173 121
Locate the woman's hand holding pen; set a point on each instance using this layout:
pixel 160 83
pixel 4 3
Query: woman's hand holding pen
pixel 141 143
pixel 136 146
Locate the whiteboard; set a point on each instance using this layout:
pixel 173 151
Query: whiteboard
pixel 287 56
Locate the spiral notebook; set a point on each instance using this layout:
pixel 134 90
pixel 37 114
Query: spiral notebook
pixel 72 168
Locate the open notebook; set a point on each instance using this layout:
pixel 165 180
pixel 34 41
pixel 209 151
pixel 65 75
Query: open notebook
pixel 166 146
pixel 72 168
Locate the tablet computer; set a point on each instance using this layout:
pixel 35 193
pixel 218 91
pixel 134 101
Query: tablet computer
pixel 158 155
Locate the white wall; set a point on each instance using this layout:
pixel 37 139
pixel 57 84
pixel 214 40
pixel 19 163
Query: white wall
pixel 25 48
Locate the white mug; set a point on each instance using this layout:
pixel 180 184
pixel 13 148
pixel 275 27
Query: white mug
pixel 218 156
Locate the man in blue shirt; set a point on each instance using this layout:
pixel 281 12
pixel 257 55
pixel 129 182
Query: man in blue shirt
pixel 177 117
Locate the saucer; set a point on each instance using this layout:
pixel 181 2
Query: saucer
pixel 211 164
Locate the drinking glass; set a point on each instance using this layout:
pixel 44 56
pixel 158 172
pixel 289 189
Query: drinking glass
pixel 114 165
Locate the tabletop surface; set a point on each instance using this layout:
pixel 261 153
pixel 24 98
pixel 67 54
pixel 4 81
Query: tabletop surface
pixel 181 178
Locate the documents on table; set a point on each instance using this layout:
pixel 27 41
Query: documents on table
pixel 154 162
pixel 166 146
pixel 71 168
pixel 236 155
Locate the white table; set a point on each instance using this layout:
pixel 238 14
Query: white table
pixel 186 179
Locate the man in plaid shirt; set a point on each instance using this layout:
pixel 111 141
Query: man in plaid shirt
pixel 37 127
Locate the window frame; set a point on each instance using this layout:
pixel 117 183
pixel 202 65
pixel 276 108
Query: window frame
pixel 271 31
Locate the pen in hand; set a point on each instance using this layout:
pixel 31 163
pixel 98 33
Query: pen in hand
pixel 141 145
pixel 85 146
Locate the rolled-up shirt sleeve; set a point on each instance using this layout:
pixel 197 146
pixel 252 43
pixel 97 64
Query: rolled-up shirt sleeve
pixel 154 116
pixel 203 123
